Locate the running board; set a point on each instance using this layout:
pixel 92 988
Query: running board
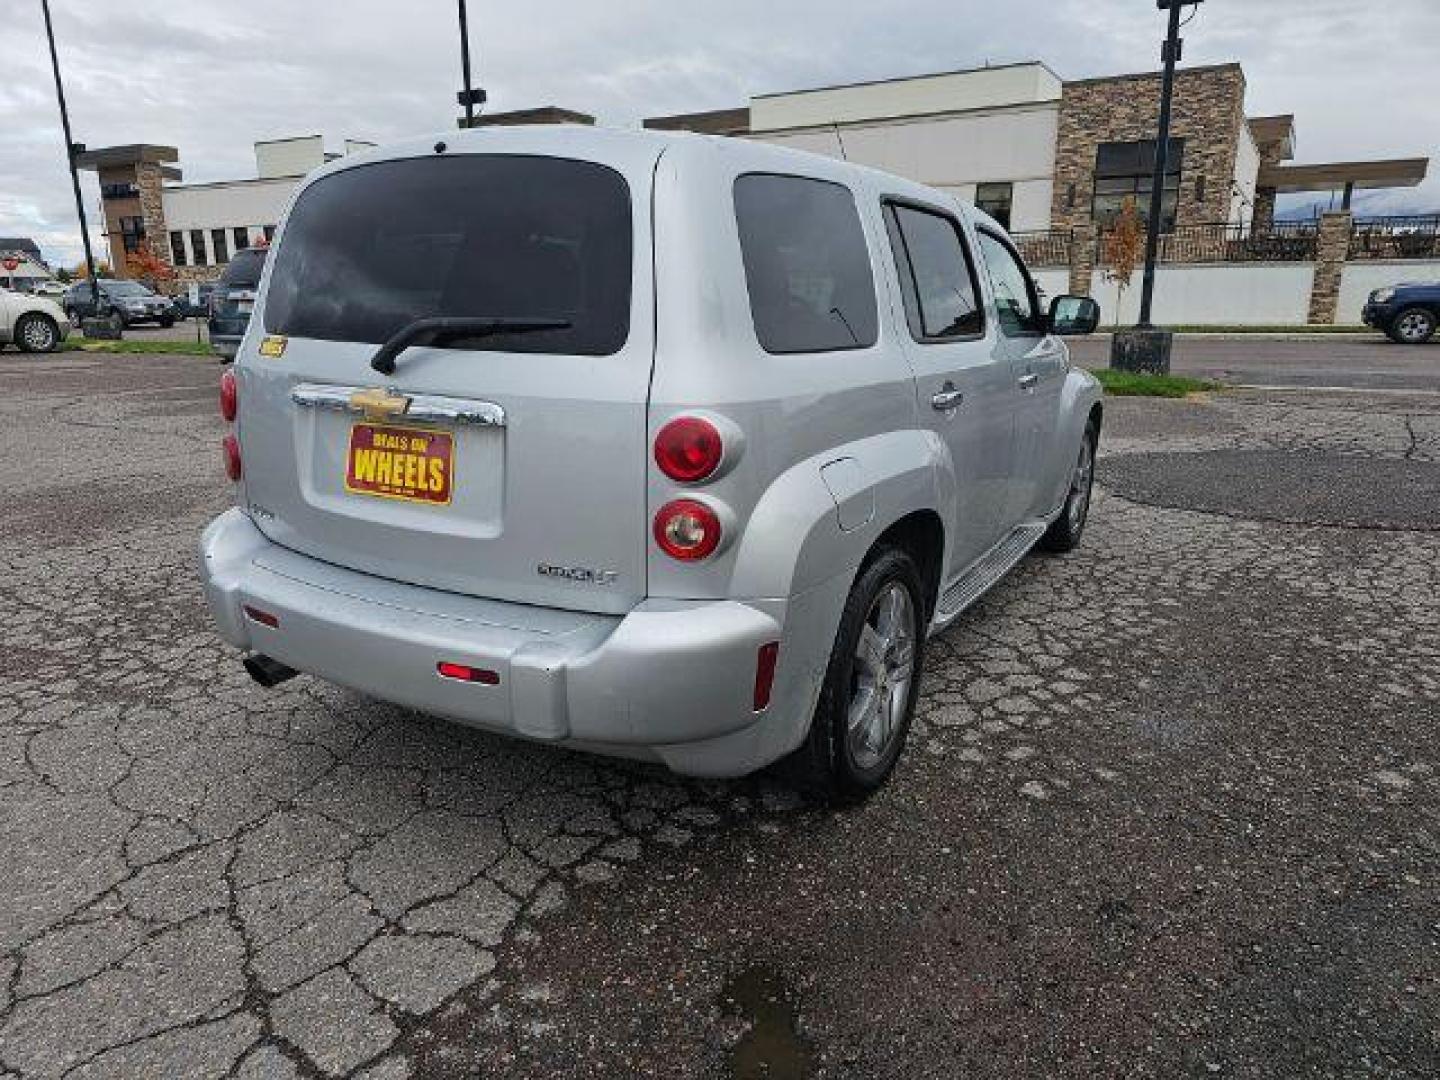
pixel 991 567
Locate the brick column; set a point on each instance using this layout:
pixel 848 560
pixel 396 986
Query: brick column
pixel 1082 259
pixel 1264 216
pixel 150 180
pixel 1332 248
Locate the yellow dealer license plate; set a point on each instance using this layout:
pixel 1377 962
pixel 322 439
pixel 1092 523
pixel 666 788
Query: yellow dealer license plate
pixel 401 463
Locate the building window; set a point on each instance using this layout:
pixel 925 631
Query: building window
pixel 242 237
pixel 132 232
pixel 995 200
pixel 269 233
pixel 177 249
pixel 1126 170
pixel 220 243
pixel 197 247
pixel 119 191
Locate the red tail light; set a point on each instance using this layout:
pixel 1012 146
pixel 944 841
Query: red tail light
pixel 689 449
pixel 263 617
pixel 687 529
pixel 466 673
pixel 765 674
pixel 231 446
pixel 229 396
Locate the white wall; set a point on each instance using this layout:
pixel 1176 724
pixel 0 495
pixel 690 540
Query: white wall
pixel 984 88
pixel 212 206
pixel 1216 295
pixel 1360 279
pixel 289 157
pixel 1052 283
pixel 1247 173
pixel 953 153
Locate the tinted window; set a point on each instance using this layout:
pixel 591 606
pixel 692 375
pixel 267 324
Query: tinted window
pixel 1015 303
pixel 935 275
pixel 806 265
pixel 244 270
pixel 371 249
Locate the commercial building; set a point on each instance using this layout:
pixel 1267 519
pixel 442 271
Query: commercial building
pixel 30 268
pixel 1041 153
pixel 197 227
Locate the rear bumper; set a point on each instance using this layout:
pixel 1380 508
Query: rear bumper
pixel 671 680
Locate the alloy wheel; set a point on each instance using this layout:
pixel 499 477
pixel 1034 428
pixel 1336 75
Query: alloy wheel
pixel 1079 501
pixel 884 670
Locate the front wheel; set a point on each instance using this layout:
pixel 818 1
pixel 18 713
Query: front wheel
pixel 167 321
pixel 1065 531
pixel 37 334
pixel 871 684
pixel 1413 326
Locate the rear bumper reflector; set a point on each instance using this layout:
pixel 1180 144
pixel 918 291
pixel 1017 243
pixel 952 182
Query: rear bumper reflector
pixel 466 673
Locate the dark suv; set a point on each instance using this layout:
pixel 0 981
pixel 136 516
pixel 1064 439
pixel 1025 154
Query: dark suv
pixel 1408 314
pixel 234 299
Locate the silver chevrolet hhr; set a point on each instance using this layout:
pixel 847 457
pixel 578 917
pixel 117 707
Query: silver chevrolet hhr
pixel 663 446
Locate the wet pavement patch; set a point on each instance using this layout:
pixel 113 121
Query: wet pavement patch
pixel 1271 485
pixel 772 1047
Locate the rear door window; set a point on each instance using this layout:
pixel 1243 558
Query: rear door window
pixel 807 267
pixel 936 275
pixel 371 249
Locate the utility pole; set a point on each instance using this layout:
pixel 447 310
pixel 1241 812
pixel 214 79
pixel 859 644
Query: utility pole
pixel 470 96
pixel 71 150
pixel 1146 348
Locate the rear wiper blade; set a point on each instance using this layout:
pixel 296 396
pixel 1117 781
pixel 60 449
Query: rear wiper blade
pixel 433 331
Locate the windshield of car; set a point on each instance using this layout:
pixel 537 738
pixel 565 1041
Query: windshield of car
pixel 244 269
pixel 371 249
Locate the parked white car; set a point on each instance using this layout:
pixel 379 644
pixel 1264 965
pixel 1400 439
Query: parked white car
pixel 663 446
pixel 32 323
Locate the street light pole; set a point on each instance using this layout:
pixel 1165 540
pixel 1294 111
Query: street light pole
pixel 470 96
pixel 70 151
pixel 1162 157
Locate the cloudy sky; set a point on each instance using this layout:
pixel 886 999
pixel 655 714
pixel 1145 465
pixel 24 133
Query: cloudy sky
pixel 212 76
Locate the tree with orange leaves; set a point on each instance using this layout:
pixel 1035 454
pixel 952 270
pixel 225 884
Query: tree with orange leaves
pixel 150 268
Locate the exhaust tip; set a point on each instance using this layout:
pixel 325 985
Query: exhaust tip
pixel 267 671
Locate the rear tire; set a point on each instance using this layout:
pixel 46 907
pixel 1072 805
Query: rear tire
pixel 1413 326
pixel 871 685
pixel 1065 531
pixel 36 334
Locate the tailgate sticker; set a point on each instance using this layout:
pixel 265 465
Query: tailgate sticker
pixel 401 463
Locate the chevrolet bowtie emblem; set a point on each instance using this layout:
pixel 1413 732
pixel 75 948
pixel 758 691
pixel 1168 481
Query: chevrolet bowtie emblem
pixel 379 404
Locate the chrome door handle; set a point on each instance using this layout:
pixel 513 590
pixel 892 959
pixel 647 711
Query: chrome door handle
pixel 1029 382
pixel 946 400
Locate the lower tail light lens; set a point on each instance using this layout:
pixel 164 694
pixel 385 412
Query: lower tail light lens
pixel 231 446
pixel 466 673
pixel 765 662
pixel 229 396
pixel 263 617
pixel 687 529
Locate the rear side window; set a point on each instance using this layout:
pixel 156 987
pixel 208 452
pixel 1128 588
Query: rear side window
pixel 806 264
pixel 371 249
pixel 936 275
pixel 244 269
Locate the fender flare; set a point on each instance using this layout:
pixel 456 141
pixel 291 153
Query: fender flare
pixel 794 542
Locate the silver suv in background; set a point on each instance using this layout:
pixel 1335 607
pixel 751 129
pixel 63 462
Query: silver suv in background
pixel 663 446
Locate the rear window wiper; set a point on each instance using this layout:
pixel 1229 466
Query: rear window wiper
pixel 433 331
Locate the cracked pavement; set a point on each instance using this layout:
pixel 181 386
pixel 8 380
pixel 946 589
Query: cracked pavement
pixel 1169 807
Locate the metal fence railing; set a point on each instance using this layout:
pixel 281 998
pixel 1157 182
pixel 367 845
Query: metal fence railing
pixel 1045 247
pixel 1415 236
pixel 1237 242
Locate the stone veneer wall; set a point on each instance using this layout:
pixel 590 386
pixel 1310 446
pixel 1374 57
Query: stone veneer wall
pixel 1209 108
pixel 1332 251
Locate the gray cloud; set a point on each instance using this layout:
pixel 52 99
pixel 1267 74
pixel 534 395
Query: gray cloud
pixel 212 76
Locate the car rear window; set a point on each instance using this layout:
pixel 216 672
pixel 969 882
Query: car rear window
pixel 369 250
pixel 244 269
pixel 806 264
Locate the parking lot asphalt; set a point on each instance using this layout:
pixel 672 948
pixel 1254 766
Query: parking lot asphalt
pixel 1171 806
pixel 1354 361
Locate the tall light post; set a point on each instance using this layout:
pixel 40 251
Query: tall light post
pixel 1146 348
pixel 71 150
pixel 470 96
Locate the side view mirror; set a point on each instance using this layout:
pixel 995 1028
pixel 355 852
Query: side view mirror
pixel 1074 316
